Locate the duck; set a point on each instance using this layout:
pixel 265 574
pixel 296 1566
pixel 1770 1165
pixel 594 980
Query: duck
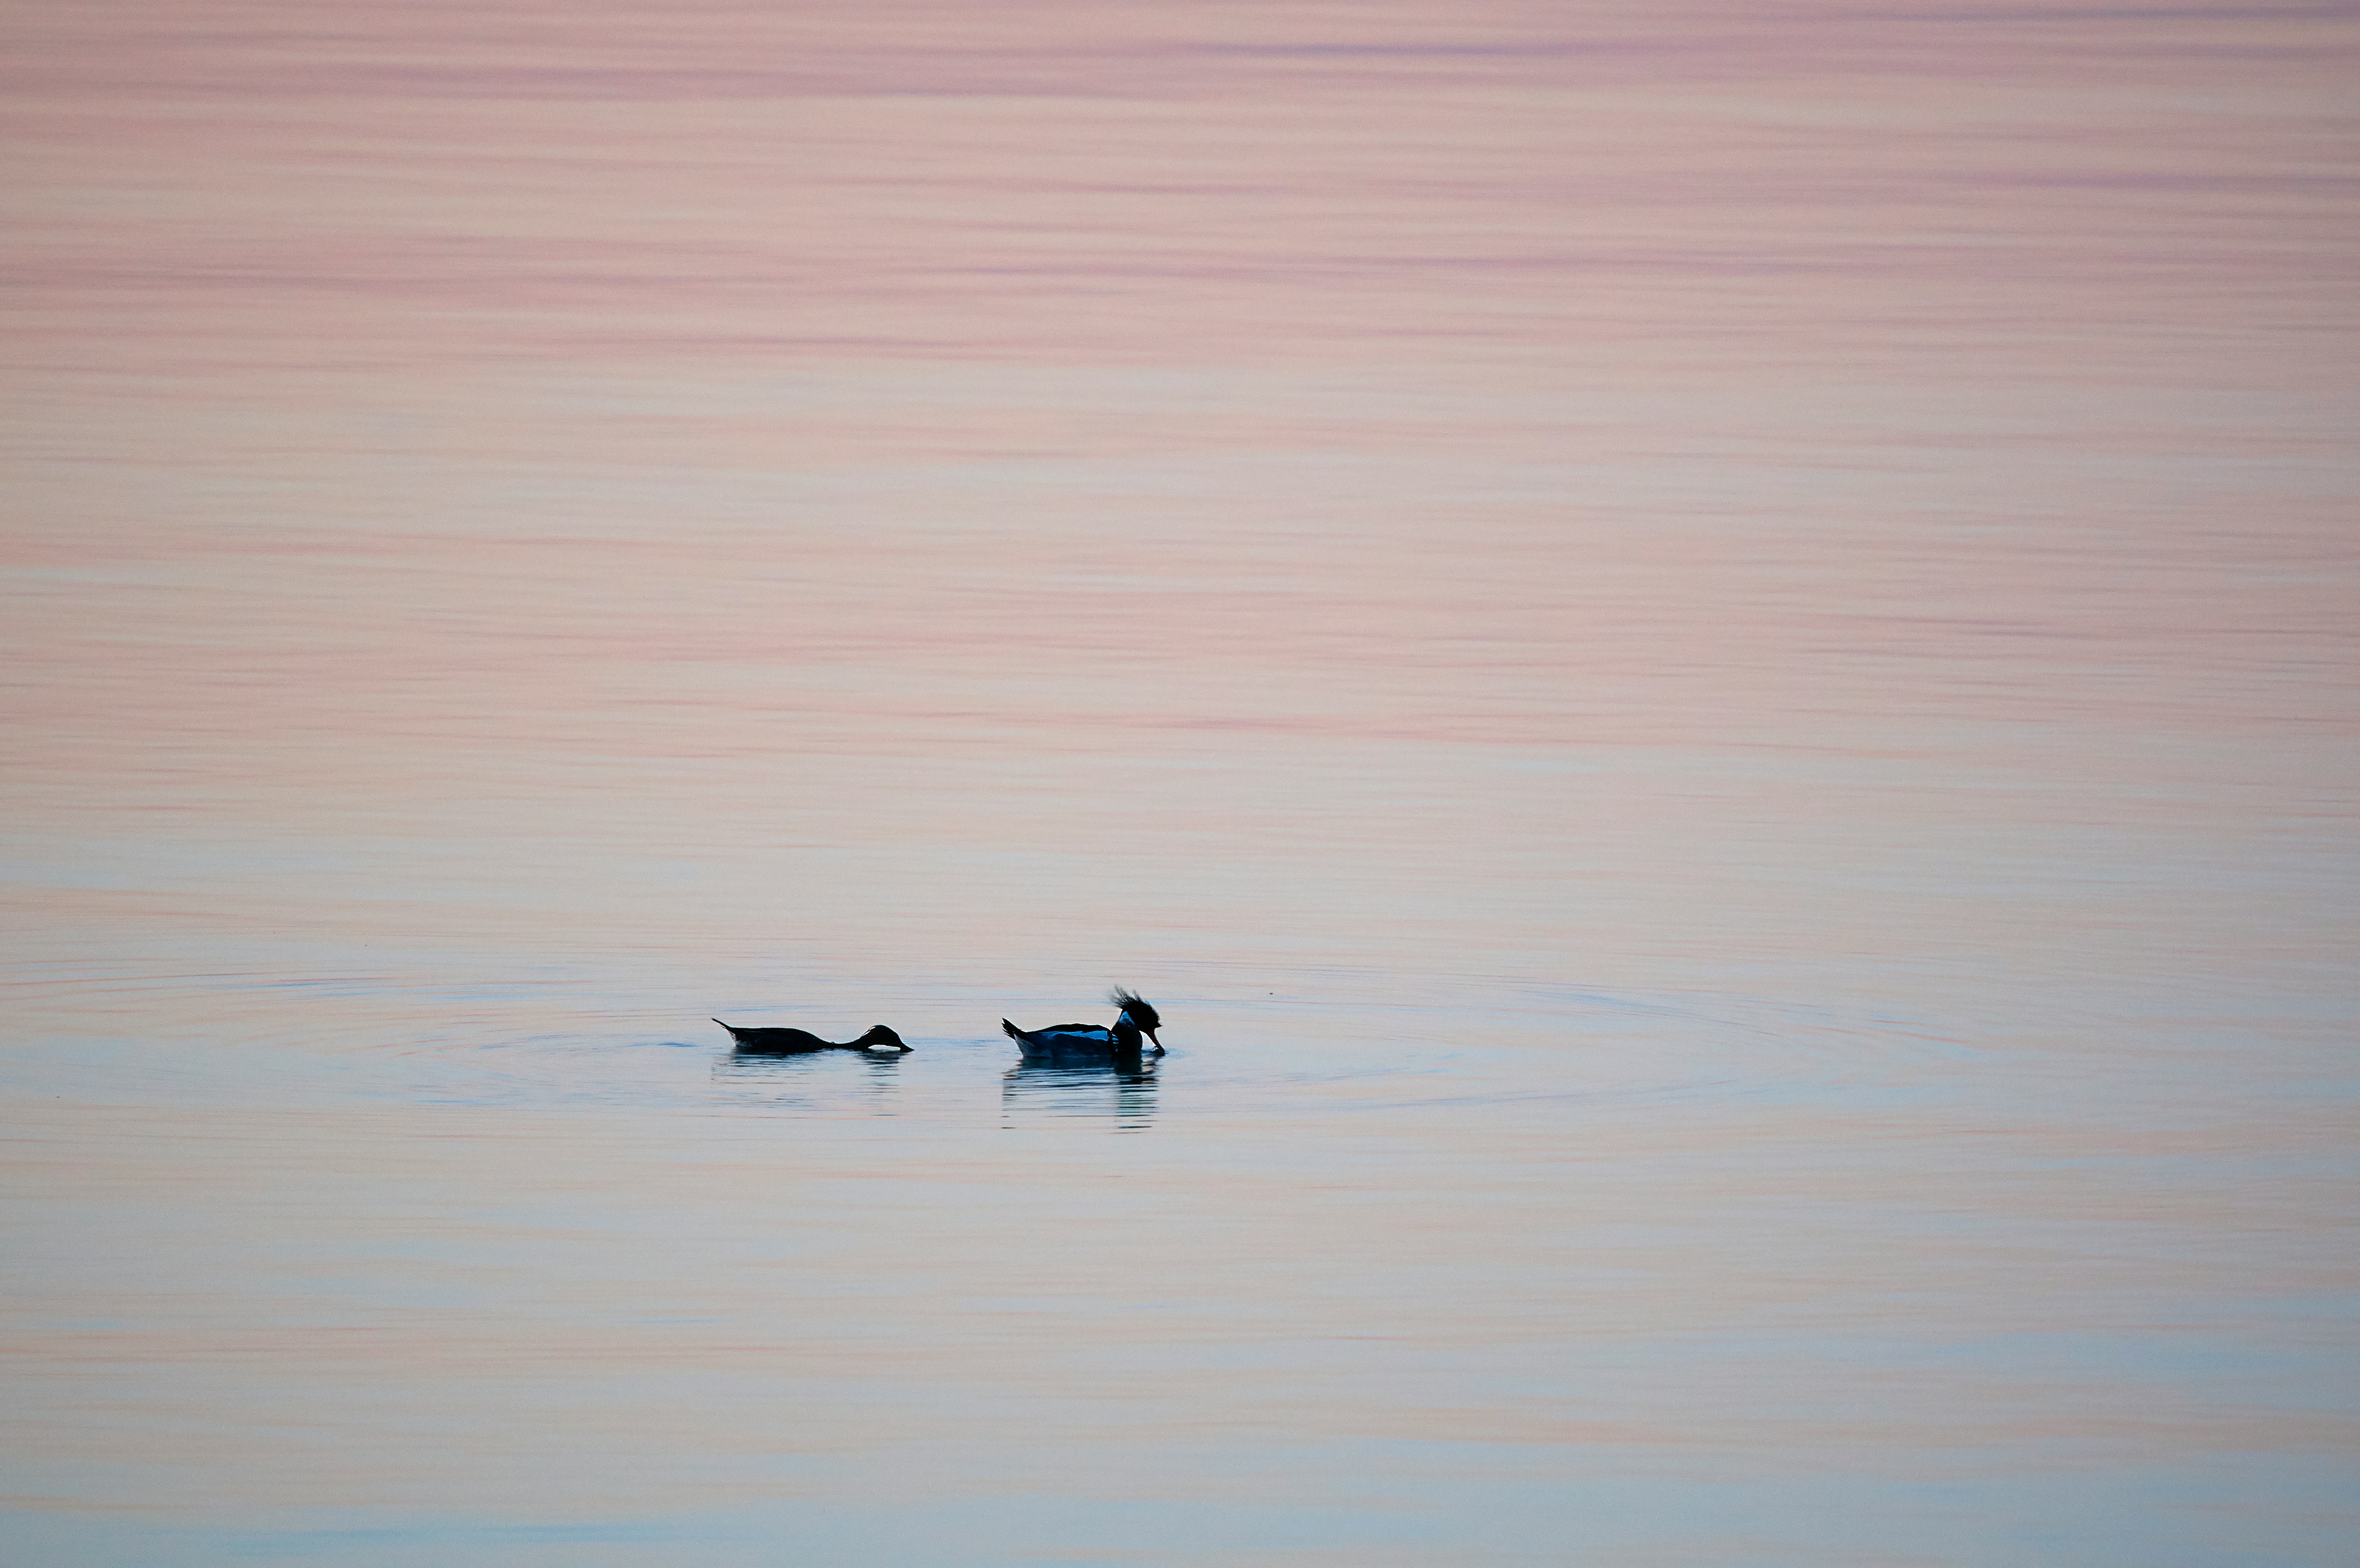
pixel 1137 1017
pixel 786 1041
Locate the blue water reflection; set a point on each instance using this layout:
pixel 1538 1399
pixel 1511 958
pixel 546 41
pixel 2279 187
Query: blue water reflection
pixel 859 1082
pixel 1124 1095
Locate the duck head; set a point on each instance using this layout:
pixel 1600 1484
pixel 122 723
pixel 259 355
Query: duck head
pixel 1138 1017
pixel 880 1038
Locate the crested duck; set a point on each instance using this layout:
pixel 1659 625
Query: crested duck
pixel 1137 1017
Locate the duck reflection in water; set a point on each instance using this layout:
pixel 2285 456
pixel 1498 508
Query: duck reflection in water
pixel 1125 1095
pixel 815 1076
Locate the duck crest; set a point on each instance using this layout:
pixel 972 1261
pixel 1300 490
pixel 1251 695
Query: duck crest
pixel 1136 1008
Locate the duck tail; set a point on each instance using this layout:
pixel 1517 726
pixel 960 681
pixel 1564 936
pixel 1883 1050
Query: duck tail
pixel 1013 1032
pixel 731 1028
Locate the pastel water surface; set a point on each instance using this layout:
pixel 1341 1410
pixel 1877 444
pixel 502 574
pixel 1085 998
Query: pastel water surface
pixel 1702 653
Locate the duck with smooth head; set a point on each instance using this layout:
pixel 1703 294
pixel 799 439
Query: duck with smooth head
pixel 790 1042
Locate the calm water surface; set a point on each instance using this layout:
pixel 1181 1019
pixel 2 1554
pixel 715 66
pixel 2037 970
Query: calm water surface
pixel 1703 653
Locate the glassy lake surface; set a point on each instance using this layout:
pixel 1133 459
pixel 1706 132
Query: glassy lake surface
pixel 1704 653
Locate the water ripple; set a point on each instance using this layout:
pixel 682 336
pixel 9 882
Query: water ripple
pixel 1332 1041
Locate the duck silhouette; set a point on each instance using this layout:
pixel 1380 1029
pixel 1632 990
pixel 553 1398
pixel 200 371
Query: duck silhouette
pixel 789 1041
pixel 1063 1042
